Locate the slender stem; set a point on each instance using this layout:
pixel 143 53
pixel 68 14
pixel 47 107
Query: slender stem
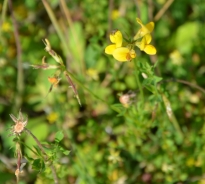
pixel 20 76
pixel 138 81
pixel 46 156
pixel 3 14
pixel 191 84
pixel 110 9
pixel 37 141
pixel 150 9
pixel 54 174
pixel 184 82
pixel 73 33
pixel 171 115
pixel 137 8
pixel 163 10
pixel 55 24
pixel 87 89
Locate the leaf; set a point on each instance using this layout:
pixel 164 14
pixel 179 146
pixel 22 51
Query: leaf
pixel 59 136
pixel 65 152
pixel 28 158
pixel 119 108
pixel 38 165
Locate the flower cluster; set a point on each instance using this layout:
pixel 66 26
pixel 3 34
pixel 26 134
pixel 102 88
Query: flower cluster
pixel 124 51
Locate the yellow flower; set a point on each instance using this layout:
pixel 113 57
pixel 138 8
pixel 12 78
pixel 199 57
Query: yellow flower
pixel 145 29
pixel 144 45
pixel 116 39
pixel 123 54
pixel 120 53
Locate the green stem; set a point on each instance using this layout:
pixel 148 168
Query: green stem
pixel 35 153
pixel 81 84
pixel 138 81
pixel 171 115
pixel 55 24
pixel 3 15
pixel 45 154
pixel 20 74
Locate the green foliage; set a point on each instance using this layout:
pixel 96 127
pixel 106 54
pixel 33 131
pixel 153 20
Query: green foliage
pixel 100 121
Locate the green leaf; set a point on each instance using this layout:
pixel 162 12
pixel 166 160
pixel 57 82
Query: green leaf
pixel 156 79
pixel 119 108
pixel 65 152
pixel 59 136
pixel 28 158
pixel 38 165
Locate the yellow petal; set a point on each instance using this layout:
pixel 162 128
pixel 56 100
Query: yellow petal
pixel 150 49
pixel 110 48
pixel 116 37
pixel 148 38
pixel 138 44
pixel 150 26
pixel 123 54
pixel 145 29
pixel 145 41
pixel 141 45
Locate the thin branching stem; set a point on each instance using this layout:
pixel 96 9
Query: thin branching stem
pixel 184 82
pixel 43 151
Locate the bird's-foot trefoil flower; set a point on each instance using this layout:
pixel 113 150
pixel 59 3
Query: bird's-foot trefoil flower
pixel 145 46
pixel 123 54
pixel 145 29
pixel 120 53
pixel 117 39
pixel 125 51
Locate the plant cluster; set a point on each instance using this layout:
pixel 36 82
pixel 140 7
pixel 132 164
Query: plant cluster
pixel 90 119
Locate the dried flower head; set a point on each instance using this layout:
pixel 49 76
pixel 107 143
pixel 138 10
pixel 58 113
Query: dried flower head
pixel 20 124
pixel 127 99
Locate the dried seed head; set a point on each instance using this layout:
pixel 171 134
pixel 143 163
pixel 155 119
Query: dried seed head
pixel 20 124
pixel 127 99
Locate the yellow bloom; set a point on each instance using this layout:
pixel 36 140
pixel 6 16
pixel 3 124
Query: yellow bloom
pixel 145 29
pixel 123 54
pixel 144 45
pixel 120 53
pixel 116 39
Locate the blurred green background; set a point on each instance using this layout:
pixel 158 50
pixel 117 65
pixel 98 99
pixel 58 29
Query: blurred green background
pixel 109 143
